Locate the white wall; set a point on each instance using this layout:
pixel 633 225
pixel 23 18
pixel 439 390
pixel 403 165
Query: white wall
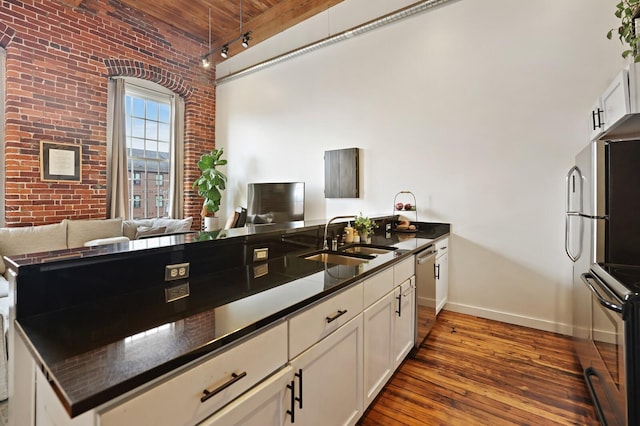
pixel 478 107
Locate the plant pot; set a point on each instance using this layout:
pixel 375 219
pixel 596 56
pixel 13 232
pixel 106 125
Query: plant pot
pixel 211 223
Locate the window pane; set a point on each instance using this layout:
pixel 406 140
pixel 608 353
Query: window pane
pixel 152 110
pixel 152 130
pixel 152 149
pixel 138 107
pixel 164 133
pixel 137 127
pixel 163 150
pixel 164 115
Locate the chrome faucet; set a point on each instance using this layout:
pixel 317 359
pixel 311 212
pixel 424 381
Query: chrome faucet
pixel 325 246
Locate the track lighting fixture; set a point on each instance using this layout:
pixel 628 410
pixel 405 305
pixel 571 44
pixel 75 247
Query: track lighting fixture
pixel 224 49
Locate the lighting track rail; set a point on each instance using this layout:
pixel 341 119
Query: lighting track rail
pixel 345 35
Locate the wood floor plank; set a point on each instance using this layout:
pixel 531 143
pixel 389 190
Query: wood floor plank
pixel 474 371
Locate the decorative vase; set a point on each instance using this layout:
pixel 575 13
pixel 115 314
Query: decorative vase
pixel 211 223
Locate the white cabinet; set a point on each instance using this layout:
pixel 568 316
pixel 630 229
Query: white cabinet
pixel 268 404
pixel 378 345
pixel 610 114
pixel 329 386
pixel 442 274
pixel 404 320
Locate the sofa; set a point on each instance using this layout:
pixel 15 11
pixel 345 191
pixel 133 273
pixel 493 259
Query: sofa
pixel 70 234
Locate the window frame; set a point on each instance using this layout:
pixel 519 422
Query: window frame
pixel 150 91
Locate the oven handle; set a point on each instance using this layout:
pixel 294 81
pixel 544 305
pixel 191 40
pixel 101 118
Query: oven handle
pixel 604 302
pixel 587 377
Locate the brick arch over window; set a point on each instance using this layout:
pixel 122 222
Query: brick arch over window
pixel 6 34
pixel 129 68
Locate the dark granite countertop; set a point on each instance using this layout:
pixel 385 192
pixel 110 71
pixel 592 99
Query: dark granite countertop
pixel 95 352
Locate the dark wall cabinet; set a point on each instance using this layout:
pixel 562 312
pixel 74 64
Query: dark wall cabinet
pixel 341 171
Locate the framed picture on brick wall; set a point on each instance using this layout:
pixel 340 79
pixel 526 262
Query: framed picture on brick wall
pixel 60 162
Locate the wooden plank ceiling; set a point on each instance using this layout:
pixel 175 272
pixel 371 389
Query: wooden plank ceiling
pixel 264 18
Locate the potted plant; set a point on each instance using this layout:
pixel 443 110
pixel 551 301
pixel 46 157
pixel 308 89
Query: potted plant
pixel 364 226
pixel 210 184
pixel 627 12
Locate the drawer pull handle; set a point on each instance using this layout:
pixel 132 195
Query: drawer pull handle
pixel 292 386
pixel 299 398
pixel 335 316
pixel 234 378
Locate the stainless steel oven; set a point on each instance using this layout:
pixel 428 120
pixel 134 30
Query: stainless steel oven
pixel 603 351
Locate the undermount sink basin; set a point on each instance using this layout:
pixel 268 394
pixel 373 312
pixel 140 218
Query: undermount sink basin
pixel 368 249
pixel 337 258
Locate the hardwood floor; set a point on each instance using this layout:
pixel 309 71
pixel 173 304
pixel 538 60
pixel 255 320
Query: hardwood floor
pixel 473 371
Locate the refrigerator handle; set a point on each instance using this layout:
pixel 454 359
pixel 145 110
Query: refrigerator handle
pixel 571 175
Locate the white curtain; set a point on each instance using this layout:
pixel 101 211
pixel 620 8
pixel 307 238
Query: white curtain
pixel 176 190
pixel 117 176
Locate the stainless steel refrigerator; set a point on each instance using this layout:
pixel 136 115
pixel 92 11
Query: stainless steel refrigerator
pixel 602 238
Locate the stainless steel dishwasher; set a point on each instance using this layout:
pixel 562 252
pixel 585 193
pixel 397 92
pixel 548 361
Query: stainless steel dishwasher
pixel 425 293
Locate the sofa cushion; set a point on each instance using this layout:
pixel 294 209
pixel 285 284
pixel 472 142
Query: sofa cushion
pixel 131 226
pixel 32 239
pixel 145 231
pixel 81 231
pixel 173 225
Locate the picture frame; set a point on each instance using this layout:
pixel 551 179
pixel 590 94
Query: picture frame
pixel 60 162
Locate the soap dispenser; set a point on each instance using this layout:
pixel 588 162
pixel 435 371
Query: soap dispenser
pixel 348 233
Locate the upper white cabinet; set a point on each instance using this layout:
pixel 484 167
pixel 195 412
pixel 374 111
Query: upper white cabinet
pixel 614 114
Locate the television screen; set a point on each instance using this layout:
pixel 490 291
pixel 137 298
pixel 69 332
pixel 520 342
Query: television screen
pixel 275 202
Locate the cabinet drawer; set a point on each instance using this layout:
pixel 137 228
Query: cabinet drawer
pixel 402 271
pixel 177 401
pixel 442 246
pixel 320 320
pixel 377 286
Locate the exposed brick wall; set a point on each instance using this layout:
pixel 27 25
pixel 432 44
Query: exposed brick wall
pixel 59 59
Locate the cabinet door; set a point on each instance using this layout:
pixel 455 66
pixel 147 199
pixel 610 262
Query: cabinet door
pixel 331 376
pixel 442 281
pixel 378 345
pixel 265 405
pixel 615 100
pixel 404 324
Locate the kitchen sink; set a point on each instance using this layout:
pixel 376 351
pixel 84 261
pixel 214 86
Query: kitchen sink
pixel 338 258
pixel 367 249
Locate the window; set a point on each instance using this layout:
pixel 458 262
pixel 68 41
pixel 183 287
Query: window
pixel 149 145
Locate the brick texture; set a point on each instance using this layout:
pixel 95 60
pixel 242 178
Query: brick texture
pixel 59 59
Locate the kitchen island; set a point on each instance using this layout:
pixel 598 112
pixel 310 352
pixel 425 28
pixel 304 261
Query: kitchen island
pixel 103 325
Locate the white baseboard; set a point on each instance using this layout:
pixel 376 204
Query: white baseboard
pixel 536 323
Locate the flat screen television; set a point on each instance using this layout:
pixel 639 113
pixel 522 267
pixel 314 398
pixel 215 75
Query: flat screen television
pixel 275 202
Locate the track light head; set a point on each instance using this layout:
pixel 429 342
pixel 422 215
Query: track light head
pixel 225 51
pixel 205 61
pixel 245 39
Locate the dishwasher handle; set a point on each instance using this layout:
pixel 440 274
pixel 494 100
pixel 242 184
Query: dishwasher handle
pixel 426 255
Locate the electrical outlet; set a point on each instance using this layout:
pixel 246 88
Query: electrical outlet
pixel 178 271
